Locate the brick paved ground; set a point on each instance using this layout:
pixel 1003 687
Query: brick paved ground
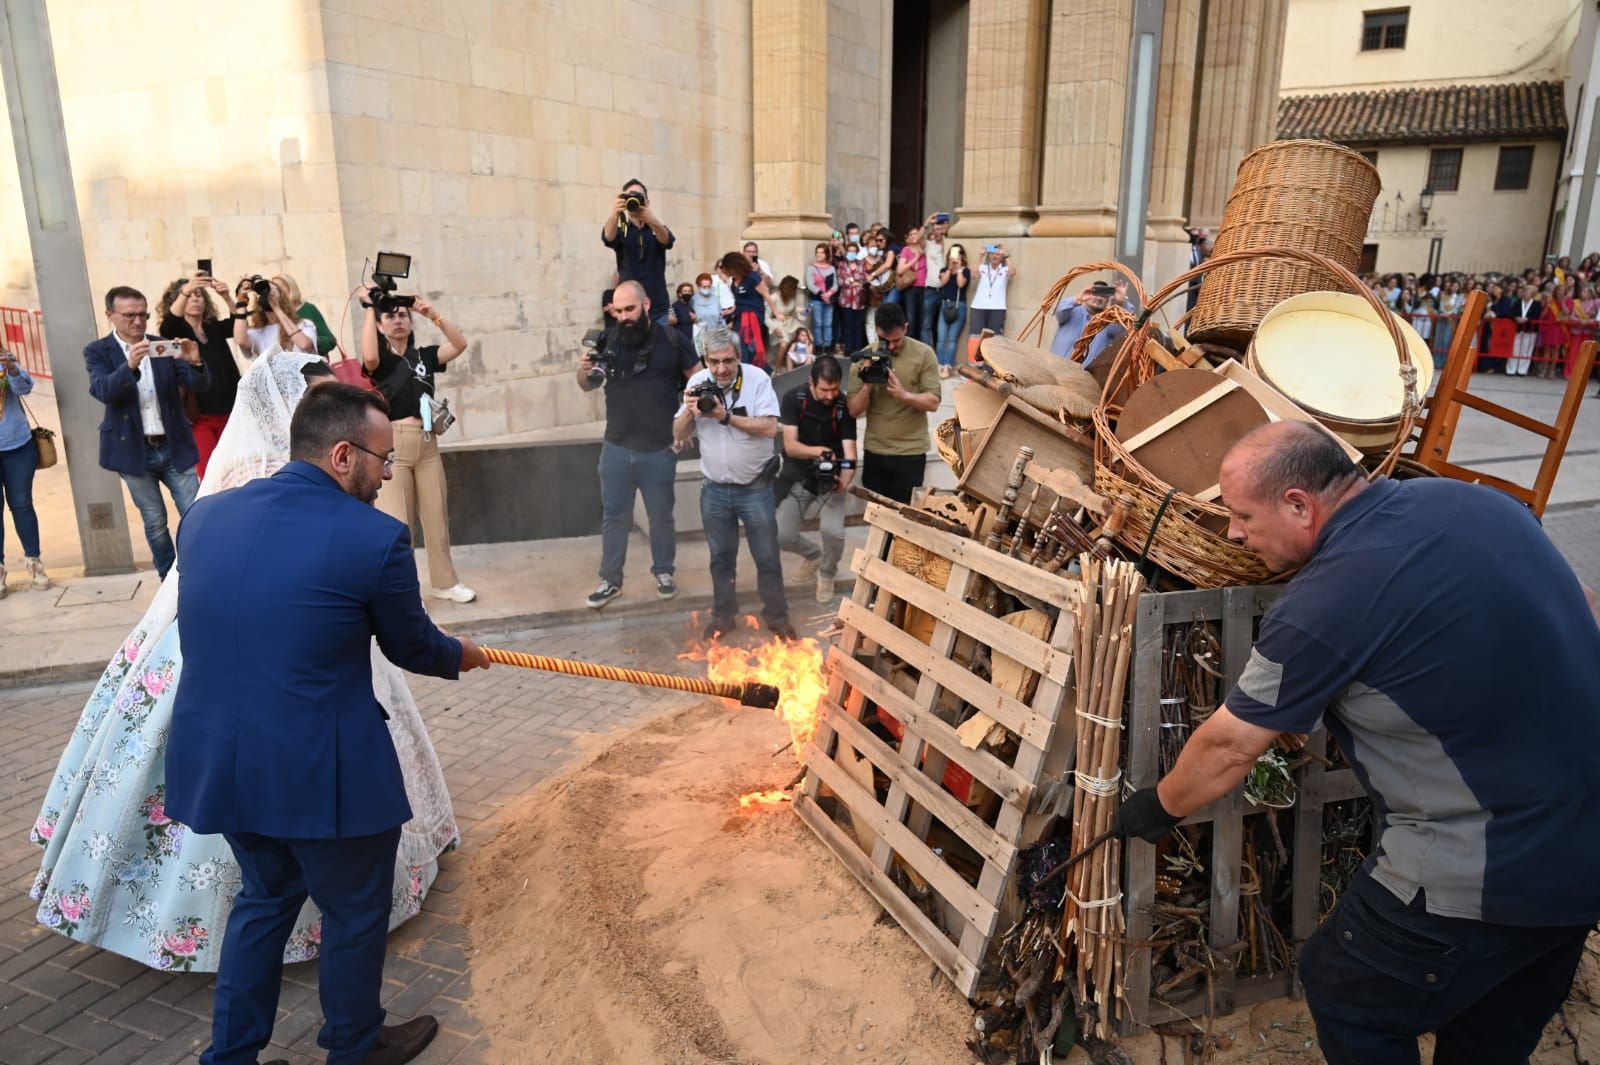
pixel 498 734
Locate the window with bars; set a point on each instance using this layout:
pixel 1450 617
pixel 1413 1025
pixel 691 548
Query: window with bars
pixel 1384 29
pixel 1444 169
pixel 1514 168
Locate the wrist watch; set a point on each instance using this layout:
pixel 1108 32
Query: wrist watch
pixel 727 416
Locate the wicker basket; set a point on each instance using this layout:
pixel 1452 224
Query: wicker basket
pixel 927 566
pixel 1183 541
pixel 1307 195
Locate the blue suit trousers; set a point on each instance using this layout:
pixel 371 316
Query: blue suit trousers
pixel 351 881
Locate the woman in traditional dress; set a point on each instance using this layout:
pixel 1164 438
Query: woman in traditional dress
pixel 118 873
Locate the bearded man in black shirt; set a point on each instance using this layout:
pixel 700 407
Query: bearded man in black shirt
pixel 648 365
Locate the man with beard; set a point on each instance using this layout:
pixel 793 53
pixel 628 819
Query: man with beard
pixel 1470 917
pixel 277 740
pixel 648 365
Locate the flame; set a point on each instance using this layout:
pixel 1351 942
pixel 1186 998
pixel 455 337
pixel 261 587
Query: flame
pixel 795 669
pixel 763 798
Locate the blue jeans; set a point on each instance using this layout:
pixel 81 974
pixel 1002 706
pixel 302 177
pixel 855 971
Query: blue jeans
pixel 822 323
pixel 351 881
pixel 722 508
pixel 930 297
pixel 16 485
pixel 949 333
pixel 1379 973
pixel 146 492
pixel 651 473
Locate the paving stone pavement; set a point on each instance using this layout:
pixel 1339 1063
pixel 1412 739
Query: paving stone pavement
pixel 498 733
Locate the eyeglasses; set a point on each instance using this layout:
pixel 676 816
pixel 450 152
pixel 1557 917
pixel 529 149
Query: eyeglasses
pixel 133 316
pixel 387 460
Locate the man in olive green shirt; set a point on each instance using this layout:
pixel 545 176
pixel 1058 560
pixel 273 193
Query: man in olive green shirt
pixel 896 446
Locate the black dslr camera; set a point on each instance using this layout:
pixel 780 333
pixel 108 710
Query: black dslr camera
pixel 875 363
pixel 633 201
pixel 263 290
pixel 824 473
pixel 706 396
pixel 390 265
pixel 609 364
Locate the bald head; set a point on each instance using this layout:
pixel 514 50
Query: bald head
pixel 629 304
pixel 1281 484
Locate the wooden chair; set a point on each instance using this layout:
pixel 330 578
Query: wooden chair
pixel 1443 414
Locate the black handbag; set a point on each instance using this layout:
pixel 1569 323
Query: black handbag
pixel 949 310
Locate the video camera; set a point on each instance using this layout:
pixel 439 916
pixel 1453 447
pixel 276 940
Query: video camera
pixel 706 396
pixel 824 472
pixel 389 266
pixel 875 363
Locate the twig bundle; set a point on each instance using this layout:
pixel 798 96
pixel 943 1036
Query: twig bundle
pixel 1092 920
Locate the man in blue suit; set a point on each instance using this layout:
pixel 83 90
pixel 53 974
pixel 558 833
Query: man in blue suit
pixel 277 740
pixel 145 436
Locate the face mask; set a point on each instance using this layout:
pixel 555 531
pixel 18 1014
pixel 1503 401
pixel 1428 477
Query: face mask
pixel 852 255
pixel 705 290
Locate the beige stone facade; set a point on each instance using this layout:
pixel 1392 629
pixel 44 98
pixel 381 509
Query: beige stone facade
pixel 487 139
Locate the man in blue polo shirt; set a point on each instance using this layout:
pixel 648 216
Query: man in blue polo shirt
pixel 1470 918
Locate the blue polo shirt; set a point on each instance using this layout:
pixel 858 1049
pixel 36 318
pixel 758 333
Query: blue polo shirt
pixel 1451 652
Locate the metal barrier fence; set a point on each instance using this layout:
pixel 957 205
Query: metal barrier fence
pixel 1556 342
pixel 23 335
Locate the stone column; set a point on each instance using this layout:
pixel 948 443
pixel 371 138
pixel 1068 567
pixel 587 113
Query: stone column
pixel 789 130
pixel 1180 42
pixel 1237 107
pixel 1086 84
pixel 1000 161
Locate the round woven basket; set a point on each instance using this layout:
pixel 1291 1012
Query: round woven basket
pixel 1168 526
pixel 1308 195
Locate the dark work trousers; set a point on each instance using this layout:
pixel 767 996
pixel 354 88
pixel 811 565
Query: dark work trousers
pixel 351 881
pixel 895 476
pixel 1380 973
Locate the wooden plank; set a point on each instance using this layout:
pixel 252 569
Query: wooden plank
pixel 1306 869
pixel 916 924
pixel 1144 768
pixel 862 804
pixel 1003 569
pixel 984 767
pixel 946 807
pixel 1227 831
pixel 1032 652
pixel 1337 786
pixel 1506 414
pixel 1217 392
pixel 1461 473
pixel 931 663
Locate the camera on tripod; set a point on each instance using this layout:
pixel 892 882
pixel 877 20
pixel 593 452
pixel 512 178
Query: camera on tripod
pixel 875 363
pixel 706 396
pixel 389 266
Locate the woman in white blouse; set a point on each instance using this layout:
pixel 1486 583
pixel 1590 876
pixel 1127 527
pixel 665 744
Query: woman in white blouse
pixel 258 328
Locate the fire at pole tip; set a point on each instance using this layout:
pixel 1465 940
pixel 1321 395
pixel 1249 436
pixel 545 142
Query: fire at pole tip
pixel 760 696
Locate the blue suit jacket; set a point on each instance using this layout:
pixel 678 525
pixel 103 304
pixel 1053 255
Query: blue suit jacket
pixel 122 431
pixel 282 584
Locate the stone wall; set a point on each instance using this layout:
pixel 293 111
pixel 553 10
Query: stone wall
pixel 858 176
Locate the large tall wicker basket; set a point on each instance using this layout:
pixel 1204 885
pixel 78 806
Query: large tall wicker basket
pixel 1307 195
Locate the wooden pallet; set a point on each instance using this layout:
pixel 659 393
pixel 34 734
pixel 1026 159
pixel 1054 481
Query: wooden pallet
pixel 1235 610
pixel 960 913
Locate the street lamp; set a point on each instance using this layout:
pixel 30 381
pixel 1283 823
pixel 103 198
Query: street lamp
pixel 1425 202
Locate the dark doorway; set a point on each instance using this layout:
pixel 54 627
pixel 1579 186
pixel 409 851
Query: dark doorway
pixel 1369 259
pixel 908 116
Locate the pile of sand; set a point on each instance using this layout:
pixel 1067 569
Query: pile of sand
pixel 631 911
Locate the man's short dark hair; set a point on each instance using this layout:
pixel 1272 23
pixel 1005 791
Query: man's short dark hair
pixel 825 369
pixel 328 414
pixel 889 317
pixel 1304 457
pixel 631 182
pixel 122 292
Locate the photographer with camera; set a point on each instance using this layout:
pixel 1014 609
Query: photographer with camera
pixel 995 274
pixel 895 384
pixel 732 408
pixel 265 316
pixel 640 241
pixel 405 374
pixel 819 447
pixel 642 366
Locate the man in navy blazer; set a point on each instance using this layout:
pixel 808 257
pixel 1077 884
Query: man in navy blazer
pixel 145 436
pixel 278 741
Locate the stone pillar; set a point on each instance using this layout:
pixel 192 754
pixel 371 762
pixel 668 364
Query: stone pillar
pixel 1232 81
pixel 1180 42
pixel 1269 72
pixel 789 129
pixel 1000 161
pixel 1086 85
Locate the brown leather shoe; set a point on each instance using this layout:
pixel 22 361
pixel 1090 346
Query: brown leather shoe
pixel 399 1043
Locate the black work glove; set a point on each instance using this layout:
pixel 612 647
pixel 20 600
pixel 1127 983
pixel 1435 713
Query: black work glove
pixel 1142 815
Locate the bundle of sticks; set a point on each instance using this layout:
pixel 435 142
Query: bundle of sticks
pixel 1092 919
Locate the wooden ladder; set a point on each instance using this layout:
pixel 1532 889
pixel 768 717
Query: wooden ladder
pixel 1444 414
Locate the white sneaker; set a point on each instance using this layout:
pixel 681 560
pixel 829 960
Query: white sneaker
pixel 36 574
pixel 824 588
pixel 806 573
pixel 458 593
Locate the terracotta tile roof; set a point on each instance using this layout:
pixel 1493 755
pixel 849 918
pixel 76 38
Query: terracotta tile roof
pixel 1531 109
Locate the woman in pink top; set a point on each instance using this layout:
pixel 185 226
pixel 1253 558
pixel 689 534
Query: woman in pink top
pixel 822 281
